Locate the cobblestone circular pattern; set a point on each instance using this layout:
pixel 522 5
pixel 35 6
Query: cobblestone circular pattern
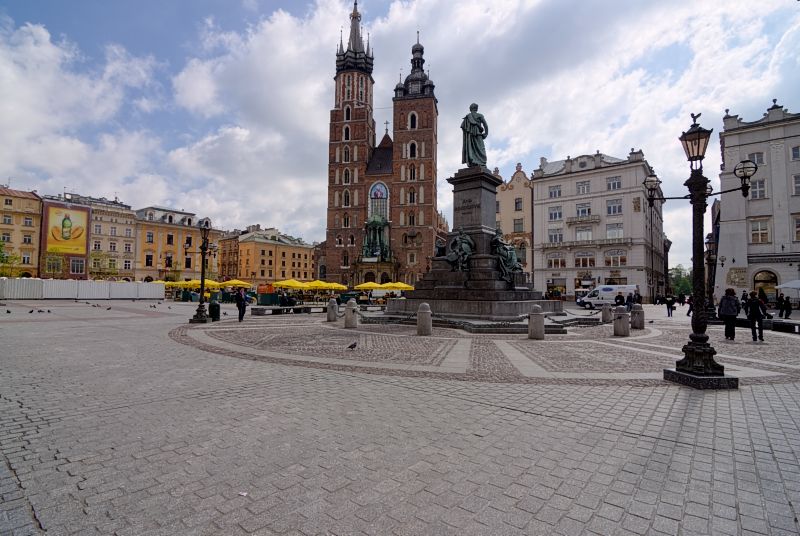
pixel 396 350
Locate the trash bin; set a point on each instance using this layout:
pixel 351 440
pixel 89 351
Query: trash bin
pixel 186 296
pixel 213 311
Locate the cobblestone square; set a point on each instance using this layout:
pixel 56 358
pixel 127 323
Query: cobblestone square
pixel 128 421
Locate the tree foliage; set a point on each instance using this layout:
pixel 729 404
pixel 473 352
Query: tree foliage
pixel 680 280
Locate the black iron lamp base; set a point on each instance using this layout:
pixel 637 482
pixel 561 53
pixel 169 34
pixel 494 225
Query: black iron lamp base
pixel 200 317
pixel 701 381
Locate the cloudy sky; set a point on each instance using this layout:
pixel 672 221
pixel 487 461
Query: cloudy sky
pixel 221 107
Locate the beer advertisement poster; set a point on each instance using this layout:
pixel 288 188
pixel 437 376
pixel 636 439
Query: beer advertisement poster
pixel 67 230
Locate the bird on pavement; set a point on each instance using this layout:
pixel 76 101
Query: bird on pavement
pixel 40 311
pixel 169 307
pixel 224 313
pixel 108 308
pixel 353 346
pixel 8 312
pixel 48 310
pixel 29 312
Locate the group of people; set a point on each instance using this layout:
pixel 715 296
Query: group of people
pixel 633 297
pixel 754 307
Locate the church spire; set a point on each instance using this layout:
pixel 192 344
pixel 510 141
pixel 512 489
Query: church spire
pixel 355 57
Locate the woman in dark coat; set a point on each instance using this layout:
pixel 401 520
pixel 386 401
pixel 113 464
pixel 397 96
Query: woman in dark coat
pixel 729 309
pixel 241 303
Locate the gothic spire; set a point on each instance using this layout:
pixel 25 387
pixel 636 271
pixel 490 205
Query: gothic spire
pixel 355 56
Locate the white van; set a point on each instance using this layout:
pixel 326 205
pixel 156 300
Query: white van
pixel 605 294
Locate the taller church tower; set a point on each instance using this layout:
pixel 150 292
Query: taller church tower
pixel 382 221
pixel 352 140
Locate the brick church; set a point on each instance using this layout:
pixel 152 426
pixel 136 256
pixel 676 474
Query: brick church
pixel 382 218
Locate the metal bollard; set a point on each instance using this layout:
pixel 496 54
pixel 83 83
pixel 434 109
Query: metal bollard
pixel 424 320
pixel 536 323
pixel 637 316
pixel 606 315
pixel 622 322
pixel 350 315
pixel 333 308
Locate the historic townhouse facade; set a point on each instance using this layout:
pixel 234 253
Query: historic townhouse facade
pixel 20 229
pixel 168 245
pixel 759 236
pixel 382 221
pixel 266 256
pixel 592 225
pixel 514 209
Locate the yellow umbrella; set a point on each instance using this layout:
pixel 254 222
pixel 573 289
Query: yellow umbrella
pixel 368 286
pixel 318 285
pixel 338 286
pixel 159 281
pixel 235 283
pixel 290 283
pixel 396 286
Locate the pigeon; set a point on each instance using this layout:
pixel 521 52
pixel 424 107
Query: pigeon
pixel 29 312
pixel 169 307
pixel 48 310
pixel 40 311
pixel 8 312
pixel 159 303
pixel 87 303
pixel 108 308
pixel 352 346
pixel 224 313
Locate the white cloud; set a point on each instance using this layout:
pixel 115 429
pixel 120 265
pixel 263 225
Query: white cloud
pixel 553 79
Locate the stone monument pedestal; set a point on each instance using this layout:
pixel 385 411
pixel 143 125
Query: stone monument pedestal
pixel 477 292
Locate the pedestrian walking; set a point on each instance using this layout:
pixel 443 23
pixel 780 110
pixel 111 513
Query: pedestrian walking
pixel 241 303
pixel 787 307
pixel 729 309
pixel 779 302
pixel 681 299
pixel 619 299
pixel 690 301
pixel 756 311
pixel 670 301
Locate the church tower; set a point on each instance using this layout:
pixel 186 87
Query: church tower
pixel 416 220
pixel 352 140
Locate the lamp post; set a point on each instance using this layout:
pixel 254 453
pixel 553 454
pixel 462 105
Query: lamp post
pixel 698 367
pixel 200 316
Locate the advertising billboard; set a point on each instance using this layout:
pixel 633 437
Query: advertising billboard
pixel 67 230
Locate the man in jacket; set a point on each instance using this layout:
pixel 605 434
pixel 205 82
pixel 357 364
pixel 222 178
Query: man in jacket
pixel 756 311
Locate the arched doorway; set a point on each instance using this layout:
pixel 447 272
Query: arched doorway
pixel 385 278
pixel 767 281
pixel 148 279
pixel 25 274
pixel 369 277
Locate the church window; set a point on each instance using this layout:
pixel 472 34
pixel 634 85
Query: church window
pixel 338 240
pixel 352 240
pixel 412 220
pixel 346 135
pixel 412 121
pixel 345 260
pixel 347 113
pixel 336 220
pixel 405 238
pixel 412 150
pixel 412 173
pixel 412 196
pixel 346 179
pixel 346 220
pixel 378 200
pixel 347 154
pixel 346 198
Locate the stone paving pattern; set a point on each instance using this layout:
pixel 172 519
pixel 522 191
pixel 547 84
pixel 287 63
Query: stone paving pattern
pixel 109 425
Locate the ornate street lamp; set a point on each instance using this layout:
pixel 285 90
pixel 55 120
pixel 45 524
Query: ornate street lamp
pixel 698 367
pixel 200 316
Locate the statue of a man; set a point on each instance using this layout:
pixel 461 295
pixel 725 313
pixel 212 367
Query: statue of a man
pixel 506 256
pixel 475 129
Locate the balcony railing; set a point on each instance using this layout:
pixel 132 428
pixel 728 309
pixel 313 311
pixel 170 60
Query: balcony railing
pixel 583 219
pixel 589 243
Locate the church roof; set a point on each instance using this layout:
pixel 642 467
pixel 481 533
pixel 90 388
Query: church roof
pixel 381 161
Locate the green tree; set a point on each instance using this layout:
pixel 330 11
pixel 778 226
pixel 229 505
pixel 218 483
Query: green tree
pixel 680 280
pixel 99 265
pixel 9 262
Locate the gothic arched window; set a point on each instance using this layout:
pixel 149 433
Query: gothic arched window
pixel 347 113
pixel 346 135
pixel 412 121
pixel 412 172
pixel 346 179
pixel 412 220
pixel 379 200
pixel 352 240
pixel 347 154
pixel 412 150
pixel 412 196
pixel 346 220
pixel 346 198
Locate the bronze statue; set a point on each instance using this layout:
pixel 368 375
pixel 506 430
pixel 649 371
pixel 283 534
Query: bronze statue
pixel 506 256
pixel 461 249
pixel 475 129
